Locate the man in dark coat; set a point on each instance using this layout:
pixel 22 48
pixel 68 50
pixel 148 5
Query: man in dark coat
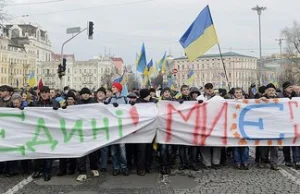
pixel 44 166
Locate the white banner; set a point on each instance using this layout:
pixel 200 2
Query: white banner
pixel 78 130
pixel 73 132
pixel 220 122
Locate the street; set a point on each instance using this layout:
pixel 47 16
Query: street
pixel 224 180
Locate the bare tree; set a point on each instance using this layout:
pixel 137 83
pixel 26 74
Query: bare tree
pixel 292 48
pixel 4 17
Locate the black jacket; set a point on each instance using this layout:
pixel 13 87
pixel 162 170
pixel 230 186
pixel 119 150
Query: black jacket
pixel 45 103
pixel 141 100
pixel 88 101
pixel 185 98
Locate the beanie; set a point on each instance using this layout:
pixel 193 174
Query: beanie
pixel 118 86
pixel 102 89
pixel 85 91
pixel 286 84
pixel 144 93
pixel 270 85
pixel 70 94
pixel 262 89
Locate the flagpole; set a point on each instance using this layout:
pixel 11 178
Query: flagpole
pixel 224 68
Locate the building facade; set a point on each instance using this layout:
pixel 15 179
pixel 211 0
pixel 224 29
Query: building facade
pixel 22 48
pixel 16 62
pixel 93 73
pixel 241 70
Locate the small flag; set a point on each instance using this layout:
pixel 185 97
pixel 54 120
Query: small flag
pixel 120 79
pixel 32 81
pixel 191 77
pixel 142 61
pixel 200 36
pixel 162 63
pixel 124 91
pixel 40 84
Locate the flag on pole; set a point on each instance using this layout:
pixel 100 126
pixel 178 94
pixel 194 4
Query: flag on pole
pixel 32 81
pixel 200 36
pixel 191 77
pixel 120 79
pixel 142 61
pixel 40 84
pixel 162 63
pixel 124 91
pixel 151 68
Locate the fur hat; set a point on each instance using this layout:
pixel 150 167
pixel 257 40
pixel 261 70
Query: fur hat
pixel 85 91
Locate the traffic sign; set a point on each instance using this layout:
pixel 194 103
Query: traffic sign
pixel 73 30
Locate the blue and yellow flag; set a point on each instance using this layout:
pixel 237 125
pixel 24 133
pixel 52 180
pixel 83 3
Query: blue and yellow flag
pixel 162 63
pixel 120 79
pixel 142 61
pixel 147 72
pixel 191 77
pixel 31 80
pixel 151 68
pixel 200 36
pixel 124 91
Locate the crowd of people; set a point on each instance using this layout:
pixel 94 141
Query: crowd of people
pixel 126 157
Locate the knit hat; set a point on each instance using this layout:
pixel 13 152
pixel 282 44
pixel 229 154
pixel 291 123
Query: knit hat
pixel 70 94
pixel 194 90
pixel 286 84
pixel 144 93
pixel 118 86
pixel 262 89
pixel 209 86
pixel 85 91
pixel 45 89
pixel 152 90
pixel 132 95
pixel 270 85
pixel 102 89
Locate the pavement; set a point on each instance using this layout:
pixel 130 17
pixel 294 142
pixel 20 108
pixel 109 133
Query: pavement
pixel 223 181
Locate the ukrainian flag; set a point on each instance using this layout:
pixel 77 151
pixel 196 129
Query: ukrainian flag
pixel 191 77
pixel 32 81
pixel 142 61
pixel 162 63
pixel 120 79
pixel 151 68
pixel 200 36
pixel 147 72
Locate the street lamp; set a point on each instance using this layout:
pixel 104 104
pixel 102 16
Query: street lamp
pixel 259 10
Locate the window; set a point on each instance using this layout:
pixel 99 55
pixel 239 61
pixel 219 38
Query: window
pixel 80 71
pixel 68 78
pixel 90 70
pixel 48 71
pixel 198 66
pixel 84 71
pixel 229 75
pixel 68 70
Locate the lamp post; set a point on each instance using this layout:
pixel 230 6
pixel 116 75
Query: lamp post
pixel 259 10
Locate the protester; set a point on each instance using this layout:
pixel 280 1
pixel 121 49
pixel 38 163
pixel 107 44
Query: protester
pixel 101 95
pixel 144 151
pixel 211 156
pixel 184 149
pixel 167 151
pixel 241 154
pixel 109 93
pixel 26 98
pixel 44 166
pixel 118 151
pixel 273 150
pixel 71 162
pixel 288 92
pixel 85 98
pixel 152 93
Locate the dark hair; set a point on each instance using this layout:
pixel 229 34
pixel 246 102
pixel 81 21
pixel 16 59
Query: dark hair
pixel 209 86
pixel 183 86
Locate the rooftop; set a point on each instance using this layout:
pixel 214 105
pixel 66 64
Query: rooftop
pixel 227 54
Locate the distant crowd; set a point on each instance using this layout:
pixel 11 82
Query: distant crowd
pixel 126 157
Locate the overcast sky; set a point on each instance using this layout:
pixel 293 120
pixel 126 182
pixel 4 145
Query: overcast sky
pixel 122 27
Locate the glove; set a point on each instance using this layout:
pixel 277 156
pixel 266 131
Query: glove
pixel 105 102
pixel 180 101
pixel 64 107
pixel 200 101
pixel 21 108
pixel 115 104
pixel 132 103
pixel 55 108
